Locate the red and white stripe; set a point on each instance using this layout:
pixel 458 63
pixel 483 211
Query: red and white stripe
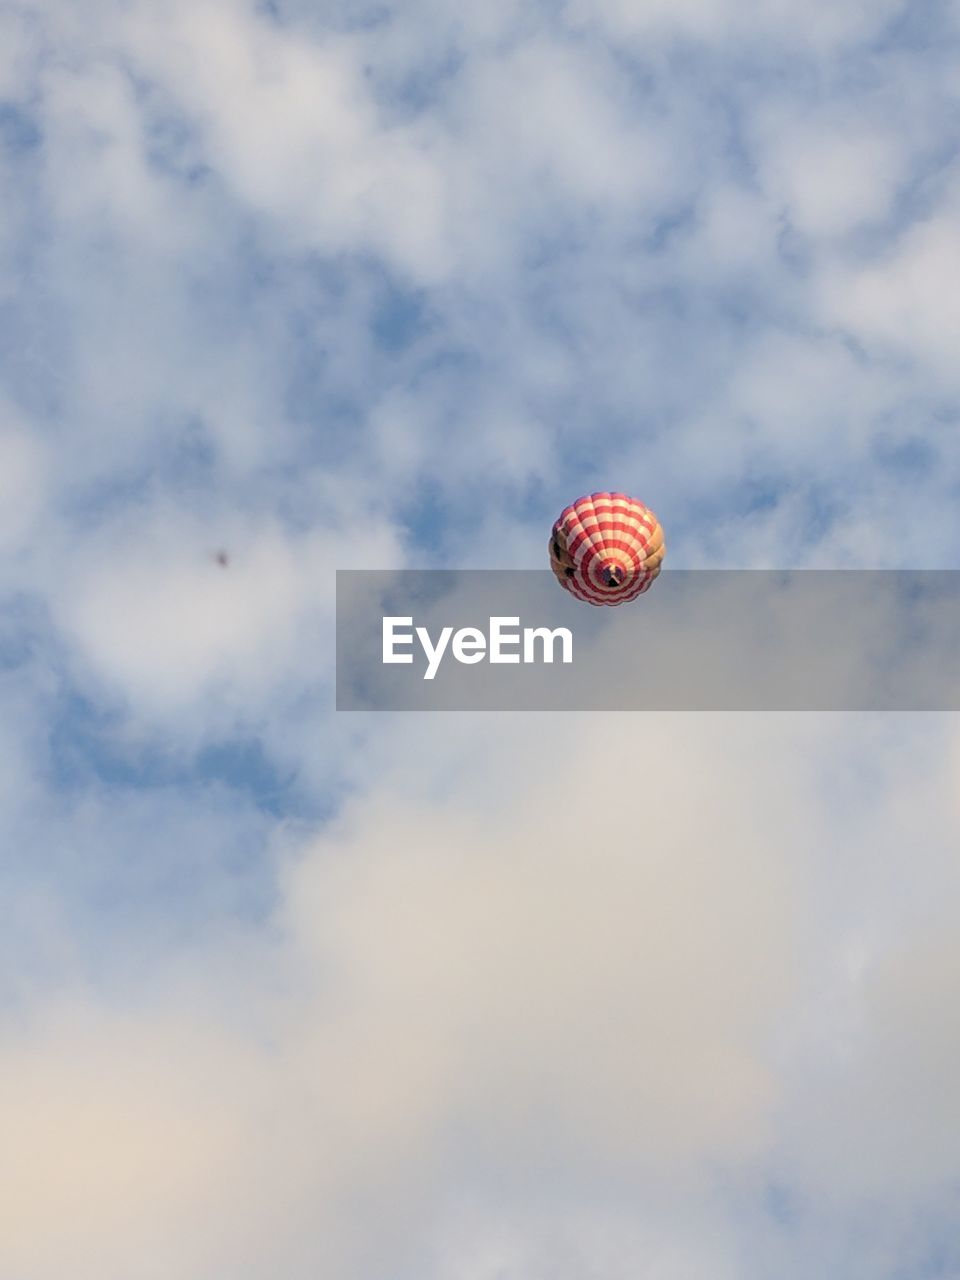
pixel 606 548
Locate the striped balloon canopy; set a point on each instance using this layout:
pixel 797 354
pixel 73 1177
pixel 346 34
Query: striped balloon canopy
pixel 606 548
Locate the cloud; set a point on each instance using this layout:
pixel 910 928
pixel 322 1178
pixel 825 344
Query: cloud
pixel 509 1032
pixel 832 180
pixel 326 286
pixel 115 1149
pixel 452 989
pixel 23 473
pixel 563 960
pixel 290 127
pixel 773 25
pixel 902 304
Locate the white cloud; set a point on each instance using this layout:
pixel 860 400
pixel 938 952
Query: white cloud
pixel 832 180
pixel 563 123
pixel 98 176
pixel 495 1027
pixel 118 1138
pixel 583 1243
pixel 539 987
pixel 893 1129
pixel 776 26
pixel 16 51
pixel 23 481
pixel 291 127
pixel 905 301
pixel 521 1034
pixel 160 621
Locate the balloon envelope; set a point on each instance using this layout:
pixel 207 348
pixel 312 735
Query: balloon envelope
pixel 606 548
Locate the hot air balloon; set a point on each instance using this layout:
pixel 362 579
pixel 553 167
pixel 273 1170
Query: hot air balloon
pixel 606 548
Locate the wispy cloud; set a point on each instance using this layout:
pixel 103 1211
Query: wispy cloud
pixel 290 287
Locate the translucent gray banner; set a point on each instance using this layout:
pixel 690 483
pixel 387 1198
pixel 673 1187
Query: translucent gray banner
pixel 732 640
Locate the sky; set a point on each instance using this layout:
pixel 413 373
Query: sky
pixel 390 997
